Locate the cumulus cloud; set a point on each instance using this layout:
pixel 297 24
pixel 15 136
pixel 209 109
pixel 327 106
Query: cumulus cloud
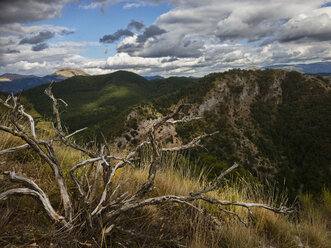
pixel 307 28
pixel 148 66
pixel 132 5
pixel 193 38
pixel 90 6
pixel 196 27
pixel 123 60
pixel 20 30
pixel 45 61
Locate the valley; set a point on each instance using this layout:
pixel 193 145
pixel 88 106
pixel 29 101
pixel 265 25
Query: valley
pixel 275 123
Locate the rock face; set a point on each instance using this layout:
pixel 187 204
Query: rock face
pixel 69 72
pixel 269 121
pixel 237 93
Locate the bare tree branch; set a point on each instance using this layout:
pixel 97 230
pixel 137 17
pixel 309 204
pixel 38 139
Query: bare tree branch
pixel 14 149
pixel 194 143
pixel 280 210
pixel 48 158
pixel 233 213
pixel 76 132
pixel 45 202
pixel 49 93
pixel 96 176
pixel 184 120
pixel 217 182
pixel 31 120
pixel 59 128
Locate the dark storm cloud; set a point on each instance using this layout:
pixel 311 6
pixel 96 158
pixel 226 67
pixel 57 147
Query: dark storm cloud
pixel 136 25
pixel 116 36
pixel 150 32
pixel 121 33
pixel 129 48
pixel 39 47
pixel 164 48
pixel 184 49
pixel 23 11
pixel 41 37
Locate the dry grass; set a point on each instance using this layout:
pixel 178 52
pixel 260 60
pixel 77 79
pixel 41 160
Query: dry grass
pixel 163 225
pixel 314 227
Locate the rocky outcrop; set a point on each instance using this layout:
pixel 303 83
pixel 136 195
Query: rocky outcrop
pixel 69 72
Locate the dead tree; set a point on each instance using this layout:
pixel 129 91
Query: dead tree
pixel 106 207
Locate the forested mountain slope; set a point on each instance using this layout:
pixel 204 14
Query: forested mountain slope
pixel 97 102
pixel 276 123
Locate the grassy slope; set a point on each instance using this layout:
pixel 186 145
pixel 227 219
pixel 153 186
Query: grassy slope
pixel 22 222
pixel 98 101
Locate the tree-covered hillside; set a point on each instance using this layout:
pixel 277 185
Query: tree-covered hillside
pixel 276 123
pixel 98 101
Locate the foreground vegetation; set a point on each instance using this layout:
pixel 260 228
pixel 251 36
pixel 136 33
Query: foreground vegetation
pixel 23 222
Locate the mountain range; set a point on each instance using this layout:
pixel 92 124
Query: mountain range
pixel 14 83
pixel 100 101
pixel 273 122
pixel 322 68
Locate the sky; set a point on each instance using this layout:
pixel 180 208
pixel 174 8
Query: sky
pixel 161 37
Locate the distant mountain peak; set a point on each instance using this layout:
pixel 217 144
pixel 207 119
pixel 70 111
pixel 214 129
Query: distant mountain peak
pixel 153 77
pixel 69 72
pixel 253 68
pixel 7 77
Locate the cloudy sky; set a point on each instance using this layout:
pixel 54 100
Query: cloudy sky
pixel 161 37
